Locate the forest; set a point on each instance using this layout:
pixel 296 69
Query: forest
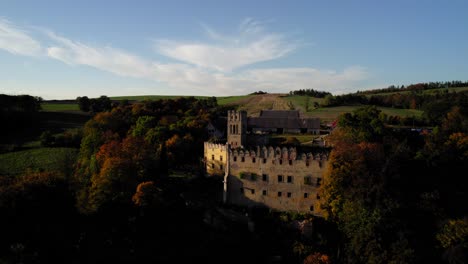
pixel 135 190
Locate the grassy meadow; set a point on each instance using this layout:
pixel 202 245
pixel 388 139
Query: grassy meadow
pixel 59 107
pixel 48 159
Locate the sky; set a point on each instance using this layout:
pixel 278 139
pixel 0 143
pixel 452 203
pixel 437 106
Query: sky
pixel 65 49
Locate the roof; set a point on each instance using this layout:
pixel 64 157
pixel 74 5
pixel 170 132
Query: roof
pixel 279 113
pixel 282 119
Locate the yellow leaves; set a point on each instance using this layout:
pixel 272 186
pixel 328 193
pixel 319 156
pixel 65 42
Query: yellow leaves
pixel 457 144
pixel 454 232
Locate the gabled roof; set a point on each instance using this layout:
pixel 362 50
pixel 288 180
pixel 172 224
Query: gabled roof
pixel 279 114
pixel 288 119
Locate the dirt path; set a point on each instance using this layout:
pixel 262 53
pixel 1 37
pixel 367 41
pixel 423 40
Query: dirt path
pixel 254 104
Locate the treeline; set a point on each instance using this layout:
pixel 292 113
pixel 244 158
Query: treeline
pixel 310 92
pixel 18 115
pixel 95 105
pixel 417 87
pixel 397 196
pixel 435 105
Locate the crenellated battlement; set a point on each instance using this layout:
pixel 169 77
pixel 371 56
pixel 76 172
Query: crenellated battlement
pixel 213 146
pixel 281 178
pixel 277 153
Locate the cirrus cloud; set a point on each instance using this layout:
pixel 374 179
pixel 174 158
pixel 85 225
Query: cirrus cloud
pixel 202 68
pixel 17 41
pixel 250 45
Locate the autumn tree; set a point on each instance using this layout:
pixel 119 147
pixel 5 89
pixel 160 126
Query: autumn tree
pixel 317 258
pixel 355 190
pixel 147 195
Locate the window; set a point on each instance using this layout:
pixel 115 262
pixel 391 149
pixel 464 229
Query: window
pixel 212 166
pixel 264 192
pixel 235 158
pixel 307 163
pixel 290 162
pixel 253 176
pixel 212 157
pixel 318 196
pixel 279 194
pixel 264 161
pixel 290 178
pixel 253 160
pixel 311 208
pixel 221 158
pixel 281 161
pixel 252 191
pixel 221 167
pixel 280 178
pixel 264 177
pixel 242 159
pixel 306 195
pixel 307 180
pixel 319 181
pixel 289 195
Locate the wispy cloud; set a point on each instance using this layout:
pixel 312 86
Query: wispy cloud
pixel 251 44
pixel 103 58
pixel 17 41
pixel 287 79
pixel 209 69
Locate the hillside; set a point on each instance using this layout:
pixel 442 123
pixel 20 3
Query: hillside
pixel 253 104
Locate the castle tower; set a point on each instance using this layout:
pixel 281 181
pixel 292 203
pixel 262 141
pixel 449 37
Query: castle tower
pixel 237 127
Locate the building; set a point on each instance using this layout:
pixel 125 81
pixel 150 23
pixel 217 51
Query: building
pixel 273 177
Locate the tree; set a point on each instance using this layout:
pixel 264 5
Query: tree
pixel 356 194
pixel 147 195
pixel 317 258
pixel 84 103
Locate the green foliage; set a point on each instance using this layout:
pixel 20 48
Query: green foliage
pixel 136 143
pixel 143 124
pixel 364 124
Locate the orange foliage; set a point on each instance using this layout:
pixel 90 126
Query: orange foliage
pixel 317 258
pixel 147 194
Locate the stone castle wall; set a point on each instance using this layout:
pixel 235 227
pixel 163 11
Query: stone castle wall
pixel 215 156
pixel 278 178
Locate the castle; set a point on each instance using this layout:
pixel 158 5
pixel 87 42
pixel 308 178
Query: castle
pixel 275 177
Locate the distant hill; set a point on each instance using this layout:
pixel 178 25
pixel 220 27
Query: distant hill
pixel 252 103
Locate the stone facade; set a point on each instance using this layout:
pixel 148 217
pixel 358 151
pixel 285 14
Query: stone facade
pixel 215 158
pixel 273 177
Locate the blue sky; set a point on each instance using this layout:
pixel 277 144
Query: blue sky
pixel 64 49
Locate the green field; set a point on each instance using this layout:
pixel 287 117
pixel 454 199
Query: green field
pixel 152 97
pixel 300 102
pixel 48 159
pixel 328 114
pixel 225 100
pixel 59 107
